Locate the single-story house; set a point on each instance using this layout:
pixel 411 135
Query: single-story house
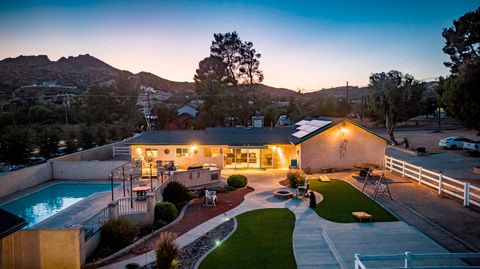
pixel 309 145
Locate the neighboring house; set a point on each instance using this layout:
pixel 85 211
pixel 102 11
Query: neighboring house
pixel 310 144
pixel 183 120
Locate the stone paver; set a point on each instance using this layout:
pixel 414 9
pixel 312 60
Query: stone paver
pixel 317 243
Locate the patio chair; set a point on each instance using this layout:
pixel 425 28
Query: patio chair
pixel 302 190
pixel 210 198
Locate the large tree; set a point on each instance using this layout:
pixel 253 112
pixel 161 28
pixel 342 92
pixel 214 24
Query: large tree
pixel 392 98
pixel 241 58
pixel 462 41
pixel 249 64
pixel 228 47
pixel 462 95
pixel 211 79
pixel 460 90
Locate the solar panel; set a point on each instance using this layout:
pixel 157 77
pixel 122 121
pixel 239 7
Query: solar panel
pixel 300 134
pixel 308 128
pixel 319 123
pixel 302 122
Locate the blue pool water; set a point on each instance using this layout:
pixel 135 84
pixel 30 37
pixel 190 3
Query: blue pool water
pixel 42 204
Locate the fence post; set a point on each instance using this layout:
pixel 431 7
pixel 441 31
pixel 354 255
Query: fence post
pixel 113 209
pixel 440 184
pixel 420 176
pixel 403 169
pixel 407 260
pixel 356 261
pixel 466 194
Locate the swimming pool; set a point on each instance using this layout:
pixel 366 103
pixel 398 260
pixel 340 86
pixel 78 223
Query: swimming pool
pixel 42 204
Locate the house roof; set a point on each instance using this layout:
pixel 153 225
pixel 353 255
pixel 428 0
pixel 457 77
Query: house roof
pixel 234 136
pixel 9 223
pixel 216 136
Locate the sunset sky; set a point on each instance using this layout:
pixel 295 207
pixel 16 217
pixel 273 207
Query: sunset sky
pixel 304 44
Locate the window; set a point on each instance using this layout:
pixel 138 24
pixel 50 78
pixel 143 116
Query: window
pixel 151 153
pixel 215 152
pixel 211 152
pixel 207 152
pixel 182 152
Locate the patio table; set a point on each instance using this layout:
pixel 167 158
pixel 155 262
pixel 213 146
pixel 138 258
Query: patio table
pixel 141 192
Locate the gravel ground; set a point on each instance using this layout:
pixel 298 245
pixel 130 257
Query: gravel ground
pixel 190 254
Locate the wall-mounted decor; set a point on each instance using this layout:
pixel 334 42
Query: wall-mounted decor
pixel 166 151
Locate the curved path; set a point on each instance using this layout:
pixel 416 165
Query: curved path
pixel 317 243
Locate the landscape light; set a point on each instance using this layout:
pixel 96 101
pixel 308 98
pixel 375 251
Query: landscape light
pixel 217 242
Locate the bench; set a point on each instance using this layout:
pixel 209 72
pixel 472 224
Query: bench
pixel 360 215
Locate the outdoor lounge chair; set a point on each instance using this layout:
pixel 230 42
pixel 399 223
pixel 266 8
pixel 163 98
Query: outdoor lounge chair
pixel 210 198
pixel 302 190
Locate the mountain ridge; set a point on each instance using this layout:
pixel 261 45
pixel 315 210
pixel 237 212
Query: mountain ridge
pixel 85 70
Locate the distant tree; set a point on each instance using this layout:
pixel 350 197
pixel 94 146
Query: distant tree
pixel 165 115
pixel 393 98
pixel 462 95
pixel 293 110
pixel 228 47
pixel 462 41
pixel 40 114
pixel 16 144
pixel 87 138
pixel 211 79
pixel 428 105
pixel 460 90
pixel 47 140
pixel 249 64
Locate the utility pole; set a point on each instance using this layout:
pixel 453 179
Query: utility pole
pixel 149 109
pixel 65 101
pixel 347 92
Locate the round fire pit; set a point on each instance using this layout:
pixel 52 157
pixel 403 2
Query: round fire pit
pixel 282 194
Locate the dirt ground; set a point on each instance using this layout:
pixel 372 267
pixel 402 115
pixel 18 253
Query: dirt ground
pixel 429 139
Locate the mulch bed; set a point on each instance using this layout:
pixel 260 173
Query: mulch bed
pixel 197 213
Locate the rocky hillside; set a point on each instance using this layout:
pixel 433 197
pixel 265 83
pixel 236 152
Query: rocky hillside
pixel 85 70
pixel 81 71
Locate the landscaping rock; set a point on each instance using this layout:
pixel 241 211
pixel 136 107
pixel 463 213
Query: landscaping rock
pixel 191 253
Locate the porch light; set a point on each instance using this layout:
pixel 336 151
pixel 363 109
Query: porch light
pixel 194 149
pixel 344 130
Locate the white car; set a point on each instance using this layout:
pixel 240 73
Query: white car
pixel 454 142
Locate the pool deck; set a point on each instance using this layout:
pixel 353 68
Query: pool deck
pixel 74 214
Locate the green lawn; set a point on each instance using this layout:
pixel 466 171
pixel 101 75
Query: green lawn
pixel 263 239
pixel 341 199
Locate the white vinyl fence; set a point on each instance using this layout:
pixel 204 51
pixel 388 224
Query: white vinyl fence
pixel 410 260
pixel 464 191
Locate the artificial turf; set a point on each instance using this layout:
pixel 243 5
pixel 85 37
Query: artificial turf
pixel 263 239
pixel 341 199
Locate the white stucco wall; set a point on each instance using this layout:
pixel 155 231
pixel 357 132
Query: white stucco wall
pixel 24 178
pixel 85 169
pixel 194 159
pixel 341 147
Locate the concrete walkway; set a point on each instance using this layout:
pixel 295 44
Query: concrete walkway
pixel 317 243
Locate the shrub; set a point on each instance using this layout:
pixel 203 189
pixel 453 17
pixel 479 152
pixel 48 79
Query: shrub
pixel 237 181
pixel 295 178
pixel 165 211
pixel 117 233
pixel 167 251
pixel 176 193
